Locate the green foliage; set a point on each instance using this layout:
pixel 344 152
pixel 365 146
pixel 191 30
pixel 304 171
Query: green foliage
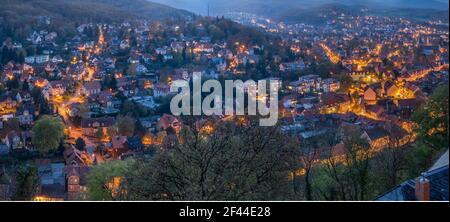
pixel 346 82
pixel 18 18
pixel 12 84
pixel 27 183
pixel 100 133
pixel 47 133
pixel 101 175
pixel 44 106
pixel 216 32
pixel 126 125
pixel 324 69
pixel 110 82
pixel 325 188
pixel 2 89
pixel 419 158
pixel 346 178
pixel 390 167
pixel 432 120
pixel 80 144
pixel 432 131
pixel 100 10
pixel 135 110
pixel 9 54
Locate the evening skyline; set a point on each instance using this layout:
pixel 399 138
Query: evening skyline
pixel 218 7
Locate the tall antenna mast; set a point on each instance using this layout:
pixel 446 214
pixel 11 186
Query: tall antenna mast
pixel 208 6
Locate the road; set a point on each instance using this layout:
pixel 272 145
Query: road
pixel 63 111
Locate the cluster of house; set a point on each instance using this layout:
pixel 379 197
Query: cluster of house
pixel 72 82
pixel 379 101
pixel 314 83
pixel 384 101
pixel 92 79
pixel 68 180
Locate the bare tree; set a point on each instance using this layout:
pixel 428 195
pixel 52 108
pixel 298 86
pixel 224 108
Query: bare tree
pixel 309 151
pixel 235 162
pixel 391 161
pixel 347 164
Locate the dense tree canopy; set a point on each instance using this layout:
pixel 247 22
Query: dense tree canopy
pixel 126 125
pixel 80 143
pixel 27 183
pixel 432 119
pixel 432 131
pixel 47 133
pixel 105 181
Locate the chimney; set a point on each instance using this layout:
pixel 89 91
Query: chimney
pixel 422 188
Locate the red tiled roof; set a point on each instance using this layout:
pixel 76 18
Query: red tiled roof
pixel 333 98
pixel 118 142
pixel 166 120
pixel 375 109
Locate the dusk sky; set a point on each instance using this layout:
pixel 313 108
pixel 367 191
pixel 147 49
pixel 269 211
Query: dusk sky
pixel 221 6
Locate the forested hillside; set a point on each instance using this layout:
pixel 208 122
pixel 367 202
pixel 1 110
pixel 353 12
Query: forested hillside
pixel 16 17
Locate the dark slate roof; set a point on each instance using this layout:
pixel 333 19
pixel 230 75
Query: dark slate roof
pixel 53 190
pixel 406 191
pixel 376 133
pixel 439 183
pixel 134 142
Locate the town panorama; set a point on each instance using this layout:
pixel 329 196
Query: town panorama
pixel 85 101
